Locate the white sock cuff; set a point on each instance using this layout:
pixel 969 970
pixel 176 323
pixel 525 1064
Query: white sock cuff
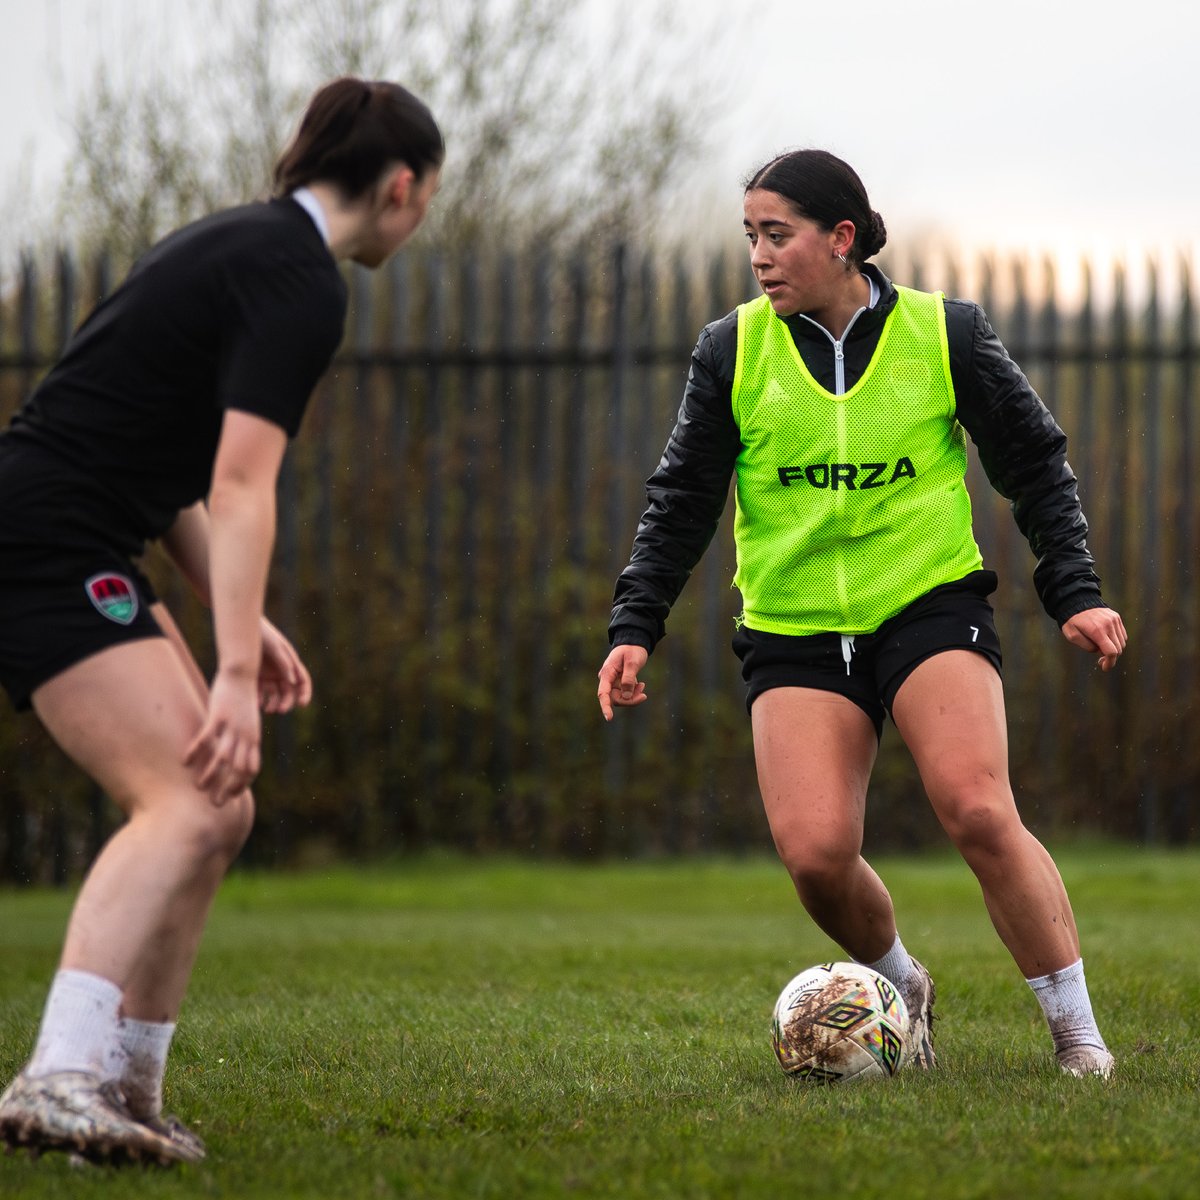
pixel 79 1025
pixel 895 965
pixel 145 1045
pixel 1063 996
pixel 102 991
pixel 1065 975
pixel 135 1033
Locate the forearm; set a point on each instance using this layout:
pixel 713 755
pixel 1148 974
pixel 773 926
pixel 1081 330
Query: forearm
pixel 671 538
pixel 186 543
pixel 241 536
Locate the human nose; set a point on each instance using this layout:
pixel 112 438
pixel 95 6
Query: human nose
pixel 760 253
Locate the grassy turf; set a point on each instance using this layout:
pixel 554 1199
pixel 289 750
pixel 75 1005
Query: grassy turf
pixel 450 1029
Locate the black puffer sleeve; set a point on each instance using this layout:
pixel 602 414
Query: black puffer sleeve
pixel 687 493
pixel 1024 454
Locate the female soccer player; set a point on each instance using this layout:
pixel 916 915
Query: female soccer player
pixel 166 419
pixel 839 401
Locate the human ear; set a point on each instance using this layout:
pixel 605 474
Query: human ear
pixel 843 237
pixel 398 185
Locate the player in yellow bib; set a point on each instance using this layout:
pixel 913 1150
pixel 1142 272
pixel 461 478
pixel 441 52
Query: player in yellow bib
pixel 840 405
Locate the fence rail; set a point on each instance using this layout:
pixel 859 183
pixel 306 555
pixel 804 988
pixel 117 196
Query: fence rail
pixel 465 490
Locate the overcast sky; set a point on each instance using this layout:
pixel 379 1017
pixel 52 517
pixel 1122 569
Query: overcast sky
pixel 1056 125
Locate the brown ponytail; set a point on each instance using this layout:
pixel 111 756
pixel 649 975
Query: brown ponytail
pixel 351 130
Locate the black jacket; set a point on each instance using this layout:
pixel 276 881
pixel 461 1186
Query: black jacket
pixel 1021 448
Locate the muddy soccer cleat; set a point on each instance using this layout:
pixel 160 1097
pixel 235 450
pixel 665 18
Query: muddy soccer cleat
pixel 170 1126
pixel 918 997
pixel 1082 1061
pixel 76 1112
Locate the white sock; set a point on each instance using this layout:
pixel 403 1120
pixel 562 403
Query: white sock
pixel 896 965
pixel 144 1046
pixel 79 1025
pixel 1063 996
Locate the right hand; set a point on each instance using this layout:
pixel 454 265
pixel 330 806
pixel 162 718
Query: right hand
pixel 283 680
pixel 227 752
pixel 619 679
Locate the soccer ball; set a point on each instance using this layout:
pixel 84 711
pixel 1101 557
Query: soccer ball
pixel 840 1022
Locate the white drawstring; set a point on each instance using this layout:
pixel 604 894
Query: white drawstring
pixel 847 650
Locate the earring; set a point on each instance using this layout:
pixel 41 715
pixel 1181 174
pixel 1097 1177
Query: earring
pixel 843 260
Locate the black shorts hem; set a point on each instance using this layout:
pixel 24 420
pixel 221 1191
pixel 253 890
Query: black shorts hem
pixel 873 710
pixel 50 619
pixel 890 690
pixel 21 690
pixel 869 669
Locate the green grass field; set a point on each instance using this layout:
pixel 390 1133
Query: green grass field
pixel 455 1029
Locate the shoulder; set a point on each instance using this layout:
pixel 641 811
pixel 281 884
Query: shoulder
pixel 271 233
pixel 963 319
pixel 271 219
pixel 716 346
pixel 276 253
pixel 967 330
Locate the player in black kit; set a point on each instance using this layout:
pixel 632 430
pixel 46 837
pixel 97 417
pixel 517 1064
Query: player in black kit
pixel 166 419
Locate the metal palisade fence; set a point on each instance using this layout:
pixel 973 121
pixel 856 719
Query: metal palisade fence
pixel 465 490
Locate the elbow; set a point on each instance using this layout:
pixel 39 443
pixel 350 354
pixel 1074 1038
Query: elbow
pixel 233 498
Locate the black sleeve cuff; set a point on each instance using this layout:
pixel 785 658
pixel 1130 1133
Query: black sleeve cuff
pixel 631 635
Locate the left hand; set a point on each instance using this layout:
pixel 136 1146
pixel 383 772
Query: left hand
pixel 283 679
pixel 619 683
pixel 1098 631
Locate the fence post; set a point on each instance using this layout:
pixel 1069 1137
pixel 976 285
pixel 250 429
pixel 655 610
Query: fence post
pixel 104 275
pixel 65 300
pixel 27 304
pixel 439 822
pixel 1182 804
pixel 581 522
pixel 545 551
pixel 617 744
pixel 18 862
pixel 1148 538
pixel 506 508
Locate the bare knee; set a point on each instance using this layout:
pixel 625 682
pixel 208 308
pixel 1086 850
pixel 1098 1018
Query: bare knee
pixel 210 836
pixel 237 824
pixel 818 866
pixel 980 822
pixel 231 827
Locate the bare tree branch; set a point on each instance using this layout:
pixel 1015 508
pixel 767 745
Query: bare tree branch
pixel 551 131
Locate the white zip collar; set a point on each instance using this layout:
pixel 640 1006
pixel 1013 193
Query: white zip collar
pixel 312 206
pixel 839 356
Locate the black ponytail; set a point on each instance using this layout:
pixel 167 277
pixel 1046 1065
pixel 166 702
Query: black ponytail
pixel 823 188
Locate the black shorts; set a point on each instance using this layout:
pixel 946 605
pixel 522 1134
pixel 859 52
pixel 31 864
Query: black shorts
pixel 870 667
pixel 68 586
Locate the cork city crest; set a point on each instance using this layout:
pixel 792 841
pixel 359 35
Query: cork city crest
pixel 114 597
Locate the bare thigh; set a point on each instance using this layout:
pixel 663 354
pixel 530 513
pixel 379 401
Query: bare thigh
pixel 950 712
pixel 814 751
pixel 126 716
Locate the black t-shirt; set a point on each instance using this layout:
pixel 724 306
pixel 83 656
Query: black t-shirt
pixel 243 309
